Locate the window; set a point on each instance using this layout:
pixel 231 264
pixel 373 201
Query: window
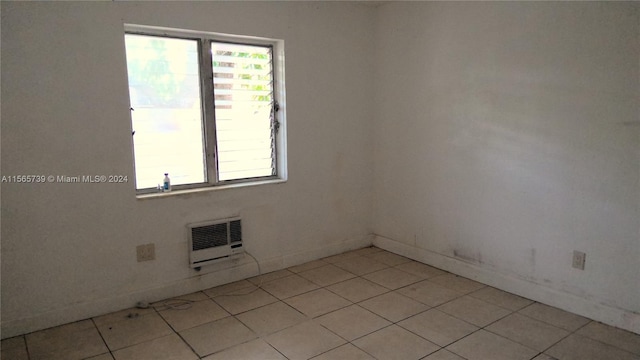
pixel 205 108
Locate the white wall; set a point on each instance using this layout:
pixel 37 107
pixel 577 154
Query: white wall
pixel 68 250
pixel 507 136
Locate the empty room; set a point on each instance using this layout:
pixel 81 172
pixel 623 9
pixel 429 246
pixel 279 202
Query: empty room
pixel 320 180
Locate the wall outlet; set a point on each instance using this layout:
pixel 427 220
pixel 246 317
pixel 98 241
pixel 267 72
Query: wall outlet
pixel 146 252
pixel 578 259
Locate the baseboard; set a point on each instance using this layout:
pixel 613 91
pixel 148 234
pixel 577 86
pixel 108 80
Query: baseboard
pixel 239 268
pixel 610 315
pixel 327 250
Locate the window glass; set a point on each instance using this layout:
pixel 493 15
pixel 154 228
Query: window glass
pixel 164 88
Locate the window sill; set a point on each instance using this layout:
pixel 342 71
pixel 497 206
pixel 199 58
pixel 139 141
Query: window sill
pixel 184 192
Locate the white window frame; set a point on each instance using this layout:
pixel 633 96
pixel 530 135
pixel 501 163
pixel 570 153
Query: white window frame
pixel 208 116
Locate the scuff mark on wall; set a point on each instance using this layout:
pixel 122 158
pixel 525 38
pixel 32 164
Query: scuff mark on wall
pixel 475 258
pixel 532 260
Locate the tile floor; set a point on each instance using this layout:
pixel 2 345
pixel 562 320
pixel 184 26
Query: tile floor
pixel 363 304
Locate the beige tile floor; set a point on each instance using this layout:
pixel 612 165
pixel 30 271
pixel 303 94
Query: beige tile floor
pixel 363 304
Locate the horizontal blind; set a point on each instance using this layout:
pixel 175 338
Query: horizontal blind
pixel 243 97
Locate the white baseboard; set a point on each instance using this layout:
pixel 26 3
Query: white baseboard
pixel 610 315
pixel 210 276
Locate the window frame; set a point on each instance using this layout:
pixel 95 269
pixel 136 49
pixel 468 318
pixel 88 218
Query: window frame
pixel 205 60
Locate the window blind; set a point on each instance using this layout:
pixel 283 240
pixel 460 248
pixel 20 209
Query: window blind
pixel 244 105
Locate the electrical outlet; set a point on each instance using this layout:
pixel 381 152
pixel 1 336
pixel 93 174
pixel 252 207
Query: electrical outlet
pixel 146 252
pixel 578 259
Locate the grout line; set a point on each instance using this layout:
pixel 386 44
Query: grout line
pixel 101 337
pixel 26 346
pixel 575 332
pixel 271 346
pixel 569 333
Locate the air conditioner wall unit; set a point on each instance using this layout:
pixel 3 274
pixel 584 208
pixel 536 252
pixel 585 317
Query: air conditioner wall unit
pixel 214 241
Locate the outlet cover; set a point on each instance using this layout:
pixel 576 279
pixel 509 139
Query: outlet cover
pixel 146 252
pixel 579 259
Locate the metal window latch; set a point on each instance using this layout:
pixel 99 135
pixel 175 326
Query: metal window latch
pixel 274 120
pixel 276 125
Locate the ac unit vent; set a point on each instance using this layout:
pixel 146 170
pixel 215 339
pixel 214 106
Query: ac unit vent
pixel 235 231
pixel 214 240
pixel 209 236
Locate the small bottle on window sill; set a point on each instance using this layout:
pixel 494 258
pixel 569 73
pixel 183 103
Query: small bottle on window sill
pixel 166 183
